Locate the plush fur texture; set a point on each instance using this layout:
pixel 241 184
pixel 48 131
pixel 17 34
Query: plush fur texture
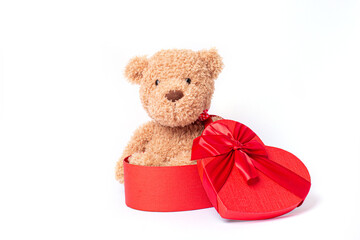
pixel 175 87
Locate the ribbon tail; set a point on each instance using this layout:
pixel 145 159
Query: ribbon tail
pixel 283 176
pixel 216 174
pixel 219 169
pixel 245 165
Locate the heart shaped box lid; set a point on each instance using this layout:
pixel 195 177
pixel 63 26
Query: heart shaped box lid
pixel 243 178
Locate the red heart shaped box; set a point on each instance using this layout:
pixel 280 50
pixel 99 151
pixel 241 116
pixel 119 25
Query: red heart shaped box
pixel 179 188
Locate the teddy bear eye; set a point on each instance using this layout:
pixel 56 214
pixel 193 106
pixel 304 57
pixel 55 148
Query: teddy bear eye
pixel 188 80
pixel 157 82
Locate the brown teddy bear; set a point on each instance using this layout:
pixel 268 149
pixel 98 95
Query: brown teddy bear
pixel 176 86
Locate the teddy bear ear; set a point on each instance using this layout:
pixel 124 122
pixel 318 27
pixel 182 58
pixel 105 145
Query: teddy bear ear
pixel 135 68
pixel 213 61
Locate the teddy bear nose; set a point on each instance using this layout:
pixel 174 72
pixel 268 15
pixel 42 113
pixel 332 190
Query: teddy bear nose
pixel 174 95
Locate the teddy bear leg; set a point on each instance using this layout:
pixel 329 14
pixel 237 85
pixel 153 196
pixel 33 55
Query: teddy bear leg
pixel 139 159
pixel 148 159
pixel 144 159
pixel 182 158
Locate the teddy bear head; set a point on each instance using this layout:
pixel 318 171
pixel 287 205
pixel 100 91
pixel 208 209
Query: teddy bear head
pixel 175 85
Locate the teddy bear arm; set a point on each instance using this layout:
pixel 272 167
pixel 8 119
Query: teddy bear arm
pixel 137 144
pixel 140 139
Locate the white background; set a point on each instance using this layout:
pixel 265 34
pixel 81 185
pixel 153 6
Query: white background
pixel 291 74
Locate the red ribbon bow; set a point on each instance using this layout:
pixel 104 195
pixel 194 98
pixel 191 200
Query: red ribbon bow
pixel 230 144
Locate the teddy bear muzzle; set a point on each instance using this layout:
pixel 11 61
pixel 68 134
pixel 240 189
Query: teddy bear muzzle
pixel 174 95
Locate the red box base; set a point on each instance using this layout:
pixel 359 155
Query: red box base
pixel 164 189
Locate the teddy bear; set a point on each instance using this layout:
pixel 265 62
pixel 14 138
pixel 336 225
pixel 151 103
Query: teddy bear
pixel 176 87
